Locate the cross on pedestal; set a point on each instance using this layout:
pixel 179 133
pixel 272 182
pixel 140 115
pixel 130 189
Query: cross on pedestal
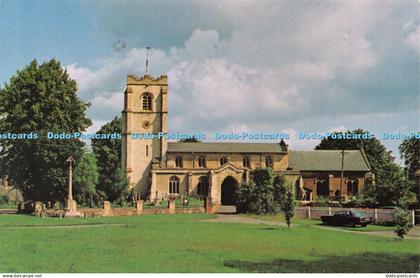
pixel 71 204
pixel 70 161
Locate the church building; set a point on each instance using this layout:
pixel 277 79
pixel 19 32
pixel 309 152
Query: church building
pixel 157 169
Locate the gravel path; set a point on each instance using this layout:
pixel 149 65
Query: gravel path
pixel 234 218
pixel 413 234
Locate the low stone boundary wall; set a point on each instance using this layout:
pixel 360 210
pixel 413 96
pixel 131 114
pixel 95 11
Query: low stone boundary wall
pixel 107 210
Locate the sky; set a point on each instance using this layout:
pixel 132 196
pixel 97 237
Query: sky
pixel 234 66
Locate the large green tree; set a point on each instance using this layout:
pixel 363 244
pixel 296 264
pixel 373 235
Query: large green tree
pixel 264 194
pixel 410 152
pixel 86 177
pixel 112 179
pixel 40 98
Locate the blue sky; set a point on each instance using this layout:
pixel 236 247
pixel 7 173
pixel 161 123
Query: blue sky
pixel 271 66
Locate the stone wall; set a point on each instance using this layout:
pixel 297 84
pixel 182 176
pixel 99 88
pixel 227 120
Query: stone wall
pixel 107 210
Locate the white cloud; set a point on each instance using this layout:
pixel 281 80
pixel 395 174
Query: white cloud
pixel 282 65
pixel 413 39
pixel 113 101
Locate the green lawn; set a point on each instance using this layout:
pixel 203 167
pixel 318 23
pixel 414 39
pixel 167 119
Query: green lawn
pixel 184 243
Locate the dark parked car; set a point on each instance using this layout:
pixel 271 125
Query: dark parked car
pixel 347 218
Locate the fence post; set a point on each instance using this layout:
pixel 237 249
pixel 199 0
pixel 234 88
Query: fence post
pixel 171 206
pixel 329 210
pixel 107 208
pixel 375 217
pixel 413 217
pixel 139 207
pixel 309 212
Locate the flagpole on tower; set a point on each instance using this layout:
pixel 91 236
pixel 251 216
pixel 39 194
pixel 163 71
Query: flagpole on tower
pixel 147 59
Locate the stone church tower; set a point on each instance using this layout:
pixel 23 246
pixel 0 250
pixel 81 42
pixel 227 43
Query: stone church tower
pixel 145 112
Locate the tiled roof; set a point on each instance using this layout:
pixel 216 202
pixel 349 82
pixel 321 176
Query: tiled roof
pixel 327 160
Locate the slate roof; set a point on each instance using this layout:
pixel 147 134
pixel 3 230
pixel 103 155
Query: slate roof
pixel 328 160
pixel 319 160
pixel 201 147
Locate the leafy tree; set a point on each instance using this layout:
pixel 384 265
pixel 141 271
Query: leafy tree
pixel 38 99
pixel 289 208
pixel 396 190
pixel 243 197
pixel 112 179
pixel 365 199
pixel 402 222
pixel 280 189
pixel 410 152
pixel 190 140
pixel 263 195
pixel 323 201
pixel 86 178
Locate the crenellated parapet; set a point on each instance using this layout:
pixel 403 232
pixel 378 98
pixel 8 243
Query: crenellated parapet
pixel 147 80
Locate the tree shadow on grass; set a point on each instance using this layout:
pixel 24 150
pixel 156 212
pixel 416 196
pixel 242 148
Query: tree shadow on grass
pixel 358 263
pixel 272 229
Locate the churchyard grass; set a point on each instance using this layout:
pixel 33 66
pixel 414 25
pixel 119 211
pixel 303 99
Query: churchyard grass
pixel 187 243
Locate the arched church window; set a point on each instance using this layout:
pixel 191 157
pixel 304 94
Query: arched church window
pixel 174 185
pixel 178 161
pixel 246 163
pixel 322 186
pixel 203 186
pixel 202 162
pixel 352 186
pixel 223 160
pixel 147 102
pixel 268 162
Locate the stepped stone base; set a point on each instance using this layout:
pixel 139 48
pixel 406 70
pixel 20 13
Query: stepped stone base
pixel 73 214
pixel 72 209
pixel 226 209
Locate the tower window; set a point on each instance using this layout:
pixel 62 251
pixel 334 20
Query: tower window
pixel 174 185
pixel 202 162
pixel 246 163
pixel 178 161
pixel 223 160
pixel 147 150
pixel 268 162
pixel 147 101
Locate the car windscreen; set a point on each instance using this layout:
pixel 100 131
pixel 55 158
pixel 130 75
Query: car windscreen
pixel 359 214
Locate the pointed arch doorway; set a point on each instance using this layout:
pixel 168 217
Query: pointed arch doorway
pixel 229 186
